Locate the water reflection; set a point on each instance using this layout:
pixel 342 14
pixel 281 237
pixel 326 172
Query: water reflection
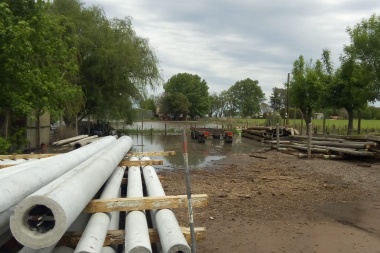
pixel 200 155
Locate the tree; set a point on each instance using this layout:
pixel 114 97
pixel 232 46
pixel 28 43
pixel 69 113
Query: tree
pixel 149 104
pixel 307 85
pixel 36 61
pixel 278 99
pixel 175 104
pixel 365 49
pixel 350 89
pixel 214 104
pixel 247 95
pixel 115 65
pixel 194 88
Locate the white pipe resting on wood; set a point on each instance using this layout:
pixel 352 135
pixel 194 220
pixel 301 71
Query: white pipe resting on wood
pixel 18 186
pixel 6 214
pixel 83 141
pixel 68 140
pixel 94 235
pixel 171 237
pixel 137 236
pixel 62 203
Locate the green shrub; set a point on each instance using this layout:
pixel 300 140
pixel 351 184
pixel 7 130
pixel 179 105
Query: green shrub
pixel 5 145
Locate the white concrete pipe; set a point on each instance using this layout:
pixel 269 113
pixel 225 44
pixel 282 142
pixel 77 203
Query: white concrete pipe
pixel 57 205
pixel 94 235
pixel 171 237
pixel 136 227
pixel 30 250
pixel 18 186
pixel 4 237
pixel 6 214
pixel 108 250
pixel 63 249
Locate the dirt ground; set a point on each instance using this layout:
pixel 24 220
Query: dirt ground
pixel 284 204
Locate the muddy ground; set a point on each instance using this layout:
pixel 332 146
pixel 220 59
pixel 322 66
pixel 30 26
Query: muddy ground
pixel 284 204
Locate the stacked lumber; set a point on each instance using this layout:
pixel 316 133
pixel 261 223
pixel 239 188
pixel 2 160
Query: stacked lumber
pixel 263 133
pixel 340 147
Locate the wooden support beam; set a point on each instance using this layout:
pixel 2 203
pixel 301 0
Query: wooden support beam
pixel 140 163
pixel 158 153
pixel 26 156
pixel 71 239
pixel 145 203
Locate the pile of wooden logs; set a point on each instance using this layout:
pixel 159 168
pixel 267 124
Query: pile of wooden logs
pixel 334 147
pixel 263 133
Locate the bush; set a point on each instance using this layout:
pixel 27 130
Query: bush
pixel 5 145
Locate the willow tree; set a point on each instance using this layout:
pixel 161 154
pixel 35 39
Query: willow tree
pixel 116 66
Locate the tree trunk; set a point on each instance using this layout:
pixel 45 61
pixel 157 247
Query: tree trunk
pixel 6 123
pixel 359 121
pixel 307 114
pixel 350 121
pixel 38 129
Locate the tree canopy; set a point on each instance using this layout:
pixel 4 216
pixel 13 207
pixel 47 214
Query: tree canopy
pixel 36 61
pixel 116 67
pixel 247 97
pixel 194 88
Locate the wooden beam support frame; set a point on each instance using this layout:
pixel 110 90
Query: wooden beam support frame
pixel 158 153
pixel 71 239
pixel 144 203
pixel 140 163
pixel 26 156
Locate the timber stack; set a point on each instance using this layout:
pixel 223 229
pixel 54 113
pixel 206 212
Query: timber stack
pixel 91 200
pixel 267 133
pixel 336 146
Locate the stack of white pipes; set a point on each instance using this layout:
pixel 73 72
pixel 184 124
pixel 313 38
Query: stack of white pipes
pixel 19 181
pixel 40 220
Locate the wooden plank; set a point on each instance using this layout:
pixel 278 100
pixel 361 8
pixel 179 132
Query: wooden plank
pixel 140 163
pixel 71 239
pixel 144 203
pixel 26 156
pixel 158 153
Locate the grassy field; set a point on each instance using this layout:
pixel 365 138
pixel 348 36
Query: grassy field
pixel 332 126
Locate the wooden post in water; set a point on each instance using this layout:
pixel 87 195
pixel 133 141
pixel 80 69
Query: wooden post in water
pixel 165 129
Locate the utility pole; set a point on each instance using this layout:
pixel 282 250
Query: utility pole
pixel 287 101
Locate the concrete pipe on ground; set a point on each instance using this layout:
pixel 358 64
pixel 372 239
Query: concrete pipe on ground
pixel 137 235
pixel 63 249
pixel 18 186
pixel 56 206
pixel 94 235
pixel 171 237
pixel 108 250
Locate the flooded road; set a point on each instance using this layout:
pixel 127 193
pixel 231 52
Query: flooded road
pixel 200 154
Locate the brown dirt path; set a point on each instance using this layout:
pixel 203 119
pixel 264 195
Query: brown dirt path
pixel 284 204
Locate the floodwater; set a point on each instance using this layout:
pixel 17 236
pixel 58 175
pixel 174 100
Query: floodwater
pixel 200 155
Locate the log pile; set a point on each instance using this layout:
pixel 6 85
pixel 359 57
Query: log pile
pixel 263 133
pixel 329 148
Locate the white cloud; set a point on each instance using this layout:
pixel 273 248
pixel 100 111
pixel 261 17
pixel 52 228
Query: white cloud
pixel 227 41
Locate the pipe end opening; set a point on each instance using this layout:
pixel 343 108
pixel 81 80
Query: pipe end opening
pixel 40 219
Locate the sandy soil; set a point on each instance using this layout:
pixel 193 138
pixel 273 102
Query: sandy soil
pixel 284 204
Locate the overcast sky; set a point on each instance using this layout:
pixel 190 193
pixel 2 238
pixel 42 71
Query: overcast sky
pixel 224 41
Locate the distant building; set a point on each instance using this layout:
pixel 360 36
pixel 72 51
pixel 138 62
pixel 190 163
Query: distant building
pixel 318 115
